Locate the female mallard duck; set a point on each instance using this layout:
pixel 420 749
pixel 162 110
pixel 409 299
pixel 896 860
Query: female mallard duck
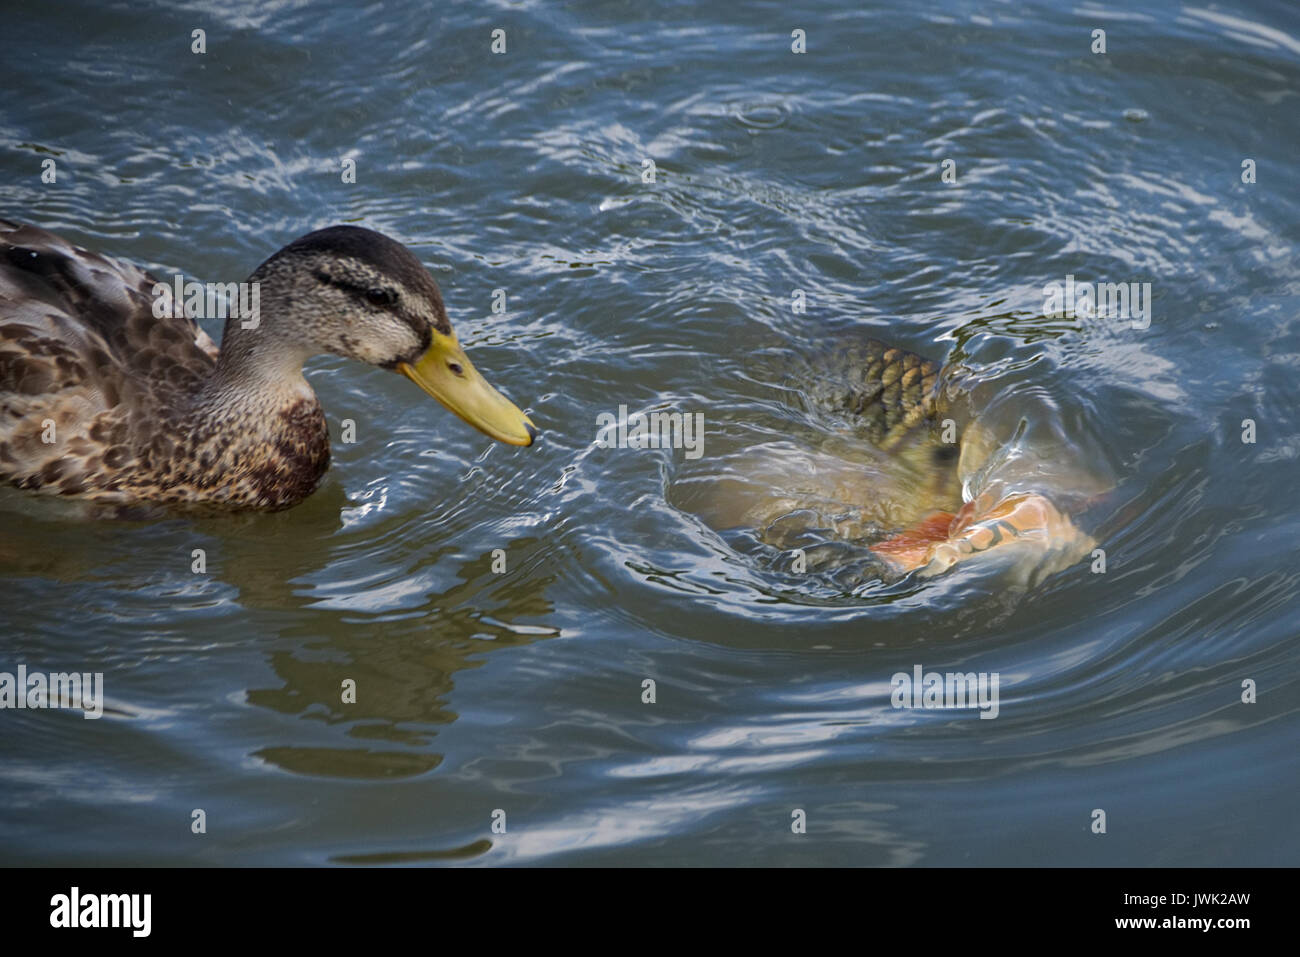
pixel 102 400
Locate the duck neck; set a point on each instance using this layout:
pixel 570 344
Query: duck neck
pixel 259 422
pixel 260 359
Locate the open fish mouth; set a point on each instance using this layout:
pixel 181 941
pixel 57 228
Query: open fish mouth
pixel 1030 523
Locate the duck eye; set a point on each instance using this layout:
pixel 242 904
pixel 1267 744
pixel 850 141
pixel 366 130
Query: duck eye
pixel 380 297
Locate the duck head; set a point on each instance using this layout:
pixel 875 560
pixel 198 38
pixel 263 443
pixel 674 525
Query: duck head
pixel 356 293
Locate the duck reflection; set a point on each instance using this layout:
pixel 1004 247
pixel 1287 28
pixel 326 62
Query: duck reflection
pixel 389 679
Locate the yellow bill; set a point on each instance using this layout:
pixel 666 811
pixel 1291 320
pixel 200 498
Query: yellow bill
pixel 445 372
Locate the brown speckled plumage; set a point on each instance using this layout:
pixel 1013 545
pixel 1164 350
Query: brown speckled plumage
pixel 146 410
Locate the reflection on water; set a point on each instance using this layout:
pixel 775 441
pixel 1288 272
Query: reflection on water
pixel 522 689
pixel 397 691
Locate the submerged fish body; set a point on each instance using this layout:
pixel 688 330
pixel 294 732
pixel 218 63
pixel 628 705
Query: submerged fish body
pixel 875 460
pixel 910 463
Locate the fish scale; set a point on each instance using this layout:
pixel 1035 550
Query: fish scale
pixel 886 390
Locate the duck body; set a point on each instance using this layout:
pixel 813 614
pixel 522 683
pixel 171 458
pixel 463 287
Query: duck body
pixel 103 399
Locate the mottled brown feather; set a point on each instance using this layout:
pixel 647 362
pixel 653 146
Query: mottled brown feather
pixel 83 357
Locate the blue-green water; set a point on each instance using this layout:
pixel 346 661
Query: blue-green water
pixel 821 171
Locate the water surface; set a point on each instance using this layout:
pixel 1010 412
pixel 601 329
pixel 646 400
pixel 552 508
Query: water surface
pixel 522 692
